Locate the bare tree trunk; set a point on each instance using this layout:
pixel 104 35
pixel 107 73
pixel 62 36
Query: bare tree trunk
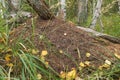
pixel 96 14
pixel 119 6
pixel 14 5
pixel 62 10
pixel 41 9
pixel 82 11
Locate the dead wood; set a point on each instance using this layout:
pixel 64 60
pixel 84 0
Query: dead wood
pixel 102 35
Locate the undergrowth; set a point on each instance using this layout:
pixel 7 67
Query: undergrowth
pixel 23 65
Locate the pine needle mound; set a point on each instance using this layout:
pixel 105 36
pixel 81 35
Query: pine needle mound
pixel 67 45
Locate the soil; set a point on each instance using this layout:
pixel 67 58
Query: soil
pixel 66 44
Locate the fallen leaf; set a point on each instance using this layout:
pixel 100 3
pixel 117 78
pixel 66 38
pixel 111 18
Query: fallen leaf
pixel 88 54
pixel 78 78
pixel 44 53
pixel 42 58
pixel 71 75
pixel 9 64
pixel 39 76
pixel 62 75
pixel 82 64
pixel 108 62
pixel 87 63
pixel 46 64
pixel 104 66
pixel 7 57
pixel 34 51
pixel 117 55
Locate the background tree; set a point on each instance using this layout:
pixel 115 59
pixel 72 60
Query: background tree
pixel 62 9
pixel 41 8
pixel 96 14
pixel 82 11
pixel 119 5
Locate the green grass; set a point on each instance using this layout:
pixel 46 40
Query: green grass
pixel 2 26
pixel 111 23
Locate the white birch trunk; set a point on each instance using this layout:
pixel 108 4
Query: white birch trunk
pixel 96 14
pixel 62 10
pixel 82 11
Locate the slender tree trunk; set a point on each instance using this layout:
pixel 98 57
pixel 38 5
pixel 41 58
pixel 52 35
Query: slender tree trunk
pixel 41 9
pixel 96 14
pixel 82 11
pixel 119 6
pixel 62 10
pixel 14 5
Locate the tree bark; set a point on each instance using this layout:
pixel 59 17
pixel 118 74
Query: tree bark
pixel 82 11
pixel 102 35
pixel 41 9
pixel 96 14
pixel 119 6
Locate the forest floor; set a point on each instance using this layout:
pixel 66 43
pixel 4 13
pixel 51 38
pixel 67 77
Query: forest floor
pixel 67 45
pixel 60 45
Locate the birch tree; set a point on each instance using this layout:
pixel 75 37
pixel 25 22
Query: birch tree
pixel 62 10
pixel 96 14
pixel 82 11
pixel 119 6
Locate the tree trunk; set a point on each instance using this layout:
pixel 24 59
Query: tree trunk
pixel 119 6
pixel 96 14
pixel 82 11
pixel 62 10
pixel 41 9
pixel 14 5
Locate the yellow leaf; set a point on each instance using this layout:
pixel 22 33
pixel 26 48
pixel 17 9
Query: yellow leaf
pixel 100 67
pixel 9 65
pixel 42 58
pixel 88 54
pixel 78 78
pixel 46 64
pixel 108 62
pixel 71 75
pixel 39 76
pixel 62 75
pixel 104 66
pixel 7 57
pixel 116 55
pixel 87 63
pixel 2 40
pixel 34 51
pixel 82 64
pixel 44 53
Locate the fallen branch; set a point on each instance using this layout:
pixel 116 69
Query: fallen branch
pixel 102 35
